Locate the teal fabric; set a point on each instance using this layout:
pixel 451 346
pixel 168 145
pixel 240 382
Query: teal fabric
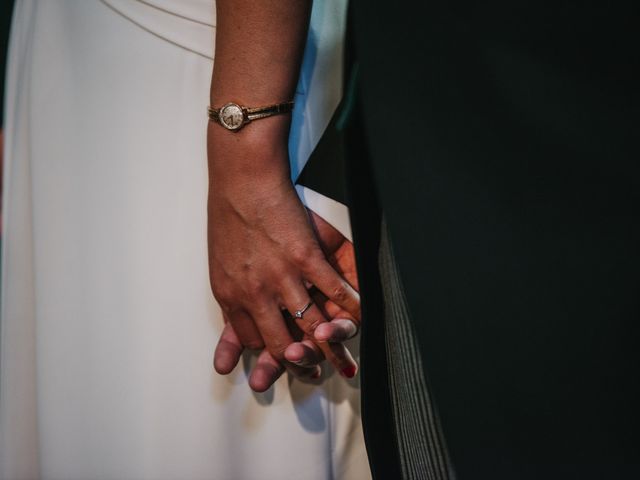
pixel 324 172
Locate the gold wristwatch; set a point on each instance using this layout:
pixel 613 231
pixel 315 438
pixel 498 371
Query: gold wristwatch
pixel 233 116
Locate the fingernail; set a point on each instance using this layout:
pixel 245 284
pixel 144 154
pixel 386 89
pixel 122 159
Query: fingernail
pixel 350 371
pixel 316 375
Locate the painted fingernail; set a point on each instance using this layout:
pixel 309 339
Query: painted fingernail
pixel 350 371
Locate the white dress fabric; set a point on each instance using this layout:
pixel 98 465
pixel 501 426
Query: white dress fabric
pixel 107 320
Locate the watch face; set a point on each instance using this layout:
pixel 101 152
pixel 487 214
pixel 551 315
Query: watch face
pixel 231 116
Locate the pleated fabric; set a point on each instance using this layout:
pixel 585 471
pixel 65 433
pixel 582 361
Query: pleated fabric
pixel 421 444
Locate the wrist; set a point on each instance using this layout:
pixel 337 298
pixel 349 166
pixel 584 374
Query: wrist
pixel 259 152
pixel 248 193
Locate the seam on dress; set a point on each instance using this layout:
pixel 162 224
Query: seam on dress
pixel 195 20
pixel 148 30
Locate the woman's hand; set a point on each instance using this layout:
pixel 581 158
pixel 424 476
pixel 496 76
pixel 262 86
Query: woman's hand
pixel 307 353
pixel 262 247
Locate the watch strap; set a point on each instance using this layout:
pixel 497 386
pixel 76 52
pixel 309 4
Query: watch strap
pixel 214 114
pixel 262 112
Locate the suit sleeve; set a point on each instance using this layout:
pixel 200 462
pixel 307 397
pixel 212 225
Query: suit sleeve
pixel 316 163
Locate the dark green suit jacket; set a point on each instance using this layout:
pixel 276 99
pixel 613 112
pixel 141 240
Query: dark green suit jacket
pixel 502 140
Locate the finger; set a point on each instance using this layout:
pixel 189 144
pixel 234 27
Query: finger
pixel 335 288
pixel 268 370
pixel 273 329
pixel 337 354
pixel 340 357
pixel 246 330
pixel 328 308
pixel 296 299
pixel 337 330
pixel 277 338
pixel 228 351
pixel 307 352
pixel 304 353
pixel 265 373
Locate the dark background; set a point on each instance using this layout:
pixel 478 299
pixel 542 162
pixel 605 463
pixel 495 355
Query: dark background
pixel 6 8
pixel 5 22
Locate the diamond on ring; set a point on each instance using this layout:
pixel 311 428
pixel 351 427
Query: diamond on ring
pixel 300 313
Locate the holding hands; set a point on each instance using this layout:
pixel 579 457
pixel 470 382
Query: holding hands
pixel 270 258
pixel 284 279
pixel 303 356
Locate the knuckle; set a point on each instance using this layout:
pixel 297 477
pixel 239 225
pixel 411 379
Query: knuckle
pixel 340 293
pixel 224 300
pixel 220 289
pixel 313 324
pixel 276 349
pixel 260 309
pixel 227 308
pixel 303 255
pixel 254 287
pixel 217 290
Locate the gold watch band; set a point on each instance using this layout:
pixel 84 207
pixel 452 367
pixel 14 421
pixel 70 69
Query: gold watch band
pixel 233 116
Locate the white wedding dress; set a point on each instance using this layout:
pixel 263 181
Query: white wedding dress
pixel 107 320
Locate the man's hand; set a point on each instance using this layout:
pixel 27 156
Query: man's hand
pixel 340 254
